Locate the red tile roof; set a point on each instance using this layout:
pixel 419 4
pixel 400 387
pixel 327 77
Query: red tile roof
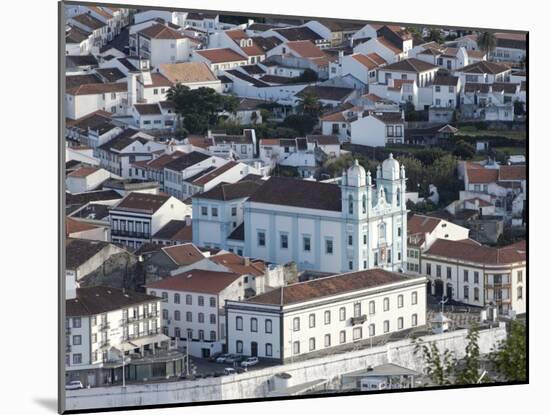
pixel 214 174
pixel 239 265
pixel 185 254
pixel 365 60
pixel 92 89
pixel 83 172
pixel 159 31
pixel 483 175
pixel 329 286
pixel 512 173
pixel 471 251
pixel 74 226
pixel 221 55
pixel 199 281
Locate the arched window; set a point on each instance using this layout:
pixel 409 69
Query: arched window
pixel 350 204
pixel 364 203
pixel 382 231
pixel 398 197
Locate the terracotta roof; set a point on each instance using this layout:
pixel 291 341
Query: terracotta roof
pixel 481 202
pixel 441 79
pixel 238 264
pixel 305 48
pixel 287 191
pixel 421 224
pixel 323 140
pixel 185 254
pixel 266 43
pixel 100 11
pixel 74 226
pixel 199 281
pixel 329 286
pixel 79 251
pixel 237 35
pixel 160 162
pixel 199 141
pixel 147 109
pixel 221 55
pixel 484 67
pixel 92 89
pixel 365 60
pixel 83 172
pixel 159 31
pixel 142 202
pixel 187 160
pixel 477 176
pixel 377 58
pixel 385 42
pixel 111 74
pixel 477 54
pixel 157 80
pixel 232 191
pixel 76 35
pixel 89 21
pixel 410 65
pixel 512 173
pixel 97 300
pixel 298 33
pixel 472 251
pixel 332 93
pixel 335 117
pixel 175 230
pixel 187 72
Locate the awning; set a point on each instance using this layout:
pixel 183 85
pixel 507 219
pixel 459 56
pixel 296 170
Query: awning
pixel 142 341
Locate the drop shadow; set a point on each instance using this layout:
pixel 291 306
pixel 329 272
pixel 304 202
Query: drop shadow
pixel 48 403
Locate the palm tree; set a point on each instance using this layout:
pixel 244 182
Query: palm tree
pixel 487 42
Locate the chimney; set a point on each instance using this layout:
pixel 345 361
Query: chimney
pixel 246 261
pixel 188 220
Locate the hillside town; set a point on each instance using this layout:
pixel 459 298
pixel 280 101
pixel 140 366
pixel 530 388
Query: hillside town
pixel 275 207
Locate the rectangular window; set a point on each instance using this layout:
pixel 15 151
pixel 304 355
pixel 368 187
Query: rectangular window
pixel 284 241
pixel 189 316
pixel 268 349
pixel 476 277
pixel 239 346
pixel 400 323
pixel 466 292
pixel 342 313
pixel 296 348
pixel 233 211
pixel 327 317
pixel 307 243
pixel 214 212
pixel 328 246
pixel 312 344
pixel 77 340
pixel 414 320
pixel 400 301
pixel 372 307
pixel 254 324
pixel 188 299
pixel 357 310
pixel 201 300
pixel 438 271
pixel 465 275
pixel 77 358
pixel 372 330
pixel 212 301
pixel 204 210
pixel 386 326
pixel 429 269
pixel 449 273
pixel 261 238
pixel 520 293
pixel 350 240
pixel 357 333
pixel 414 298
pixel 342 336
pixel 296 324
pixel 327 340
pixel 268 326
pixel 386 303
pixel 77 323
pixel 311 321
pixel 520 276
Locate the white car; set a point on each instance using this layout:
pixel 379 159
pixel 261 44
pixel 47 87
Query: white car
pixel 250 361
pixel 74 385
pixel 222 358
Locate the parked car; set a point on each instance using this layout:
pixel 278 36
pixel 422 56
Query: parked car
pixel 214 356
pixel 250 361
pixel 234 358
pixel 74 385
pixel 229 371
pixel 222 358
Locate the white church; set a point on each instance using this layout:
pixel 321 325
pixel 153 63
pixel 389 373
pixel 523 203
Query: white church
pixel 328 227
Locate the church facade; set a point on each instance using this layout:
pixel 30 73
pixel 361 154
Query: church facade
pixel 328 227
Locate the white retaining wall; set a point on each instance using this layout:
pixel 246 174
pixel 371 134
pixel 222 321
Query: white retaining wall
pixel 254 384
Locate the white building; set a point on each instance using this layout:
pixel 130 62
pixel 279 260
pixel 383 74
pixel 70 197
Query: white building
pixel 302 318
pixel 138 216
pixel 479 275
pixel 376 129
pixel 87 98
pixel 85 179
pixel 193 307
pixel 105 325
pixel 323 226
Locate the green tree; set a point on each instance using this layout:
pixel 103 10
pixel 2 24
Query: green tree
pixel 438 366
pixel 464 150
pixel 435 35
pixel 309 76
pixel 469 368
pixel 509 358
pixel 518 107
pixel 414 172
pixel 487 42
pixel 309 104
pixel 303 123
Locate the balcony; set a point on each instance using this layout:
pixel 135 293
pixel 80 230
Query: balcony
pixel 130 234
pixel 104 343
pixel 132 319
pixel 104 326
pixel 358 320
pixel 144 333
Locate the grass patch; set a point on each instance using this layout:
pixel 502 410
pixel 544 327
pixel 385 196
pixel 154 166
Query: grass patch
pixel 512 134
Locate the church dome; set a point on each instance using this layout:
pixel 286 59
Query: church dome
pixel 390 168
pixel 356 175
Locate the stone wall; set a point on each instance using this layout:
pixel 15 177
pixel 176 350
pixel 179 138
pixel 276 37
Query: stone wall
pixel 255 384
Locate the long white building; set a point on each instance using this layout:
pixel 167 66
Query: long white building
pixel 328 312
pixel 350 226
